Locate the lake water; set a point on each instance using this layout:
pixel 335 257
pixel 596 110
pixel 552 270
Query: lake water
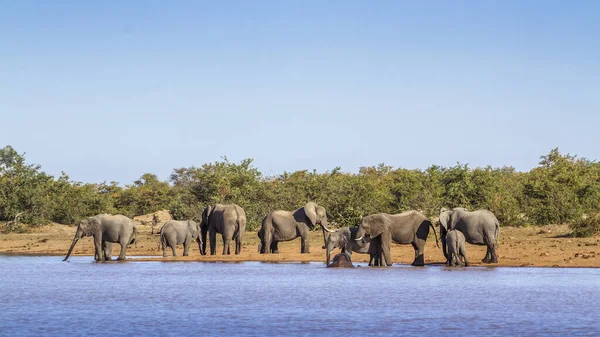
pixel 44 296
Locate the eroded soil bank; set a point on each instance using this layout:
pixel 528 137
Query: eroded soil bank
pixel 548 246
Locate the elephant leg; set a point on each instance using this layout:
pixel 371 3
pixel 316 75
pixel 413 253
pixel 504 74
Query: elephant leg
pixel 203 231
pixel 163 242
pixel 186 247
pixel 305 244
pixel 226 242
pixel 419 246
pixel 107 247
pixel 98 249
pixel 493 256
pixel 464 256
pixel 487 257
pixel 386 242
pixel 123 251
pixel 213 242
pixel 274 247
pixel 238 244
pixel 443 239
pixel 173 245
pixel 267 247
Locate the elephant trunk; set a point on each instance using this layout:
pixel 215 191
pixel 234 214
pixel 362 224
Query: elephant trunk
pixel 71 248
pixel 326 230
pixel 326 233
pixel 360 234
pixel 329 248
pixel 199 240
pixel 203 230
pixel 444 246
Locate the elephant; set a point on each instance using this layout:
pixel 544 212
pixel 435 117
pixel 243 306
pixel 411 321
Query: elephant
pixel 480 227
pixel 410 227
pixel 457 252
pixel 175 232
pixel 341 260
pixel 343 239
pixel 106 229
pixel 227 220
pixel 278 226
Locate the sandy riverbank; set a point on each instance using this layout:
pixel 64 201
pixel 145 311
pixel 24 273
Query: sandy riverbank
pixel 548 246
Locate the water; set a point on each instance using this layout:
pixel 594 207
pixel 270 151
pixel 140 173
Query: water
pixel 44 296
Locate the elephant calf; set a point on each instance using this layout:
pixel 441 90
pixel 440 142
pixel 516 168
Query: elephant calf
pixel 344 239
pixel 341 260
pixel 455 241
pixel 174 233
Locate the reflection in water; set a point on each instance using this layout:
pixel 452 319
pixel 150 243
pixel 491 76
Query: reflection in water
pixel 44 296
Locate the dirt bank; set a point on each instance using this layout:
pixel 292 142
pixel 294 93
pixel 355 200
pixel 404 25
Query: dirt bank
pixel 548 246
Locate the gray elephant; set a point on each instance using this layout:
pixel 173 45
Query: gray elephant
pixel 106 229
pixel 457 251
pixel 344 239
pixel 227 220
pixel 479 227
pixel 341 260
pixel 410 227
pixel 278 226
pixel 175 232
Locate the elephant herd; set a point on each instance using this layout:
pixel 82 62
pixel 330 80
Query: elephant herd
pixel 373 236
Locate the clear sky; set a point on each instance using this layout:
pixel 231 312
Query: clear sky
pixel 109 90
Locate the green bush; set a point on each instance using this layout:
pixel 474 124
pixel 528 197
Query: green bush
pixel 559 190
pixel 586 226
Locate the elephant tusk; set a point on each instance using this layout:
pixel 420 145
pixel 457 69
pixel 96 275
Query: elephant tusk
pixel 358 239
pixel 327 229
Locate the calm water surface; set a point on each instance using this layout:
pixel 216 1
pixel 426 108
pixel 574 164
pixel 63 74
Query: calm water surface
pixel 44 296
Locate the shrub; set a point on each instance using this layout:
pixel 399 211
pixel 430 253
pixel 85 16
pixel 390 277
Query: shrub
pixel 586 226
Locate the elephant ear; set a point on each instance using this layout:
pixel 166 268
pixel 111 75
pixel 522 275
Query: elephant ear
pixel 378 225
pixel 90 225
pixel 322 215
pixel 444 218
pixel 193 227
pixel 206 214
pixel 310 210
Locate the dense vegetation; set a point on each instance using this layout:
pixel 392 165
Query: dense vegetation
pixel 562 189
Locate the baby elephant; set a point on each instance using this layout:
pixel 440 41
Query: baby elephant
pixel 344 239
pixel 455 241
pixel 175 232
pixel 341 260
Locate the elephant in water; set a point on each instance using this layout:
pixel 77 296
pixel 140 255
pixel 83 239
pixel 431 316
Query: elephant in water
pixel 341 260
pixel 479 227
pixel 410 227
pixel 175 232
pixel 457 252
pixel 227 220
pixel 279 226
pixel 344 239
pixel 106 229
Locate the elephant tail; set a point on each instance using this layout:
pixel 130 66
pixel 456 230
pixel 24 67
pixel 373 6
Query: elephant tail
pixel 434 233
pixel 241 223
pixel 133 239
pixel 497 234
pixel 163 241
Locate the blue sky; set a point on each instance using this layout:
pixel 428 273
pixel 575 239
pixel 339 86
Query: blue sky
pixel 109 90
